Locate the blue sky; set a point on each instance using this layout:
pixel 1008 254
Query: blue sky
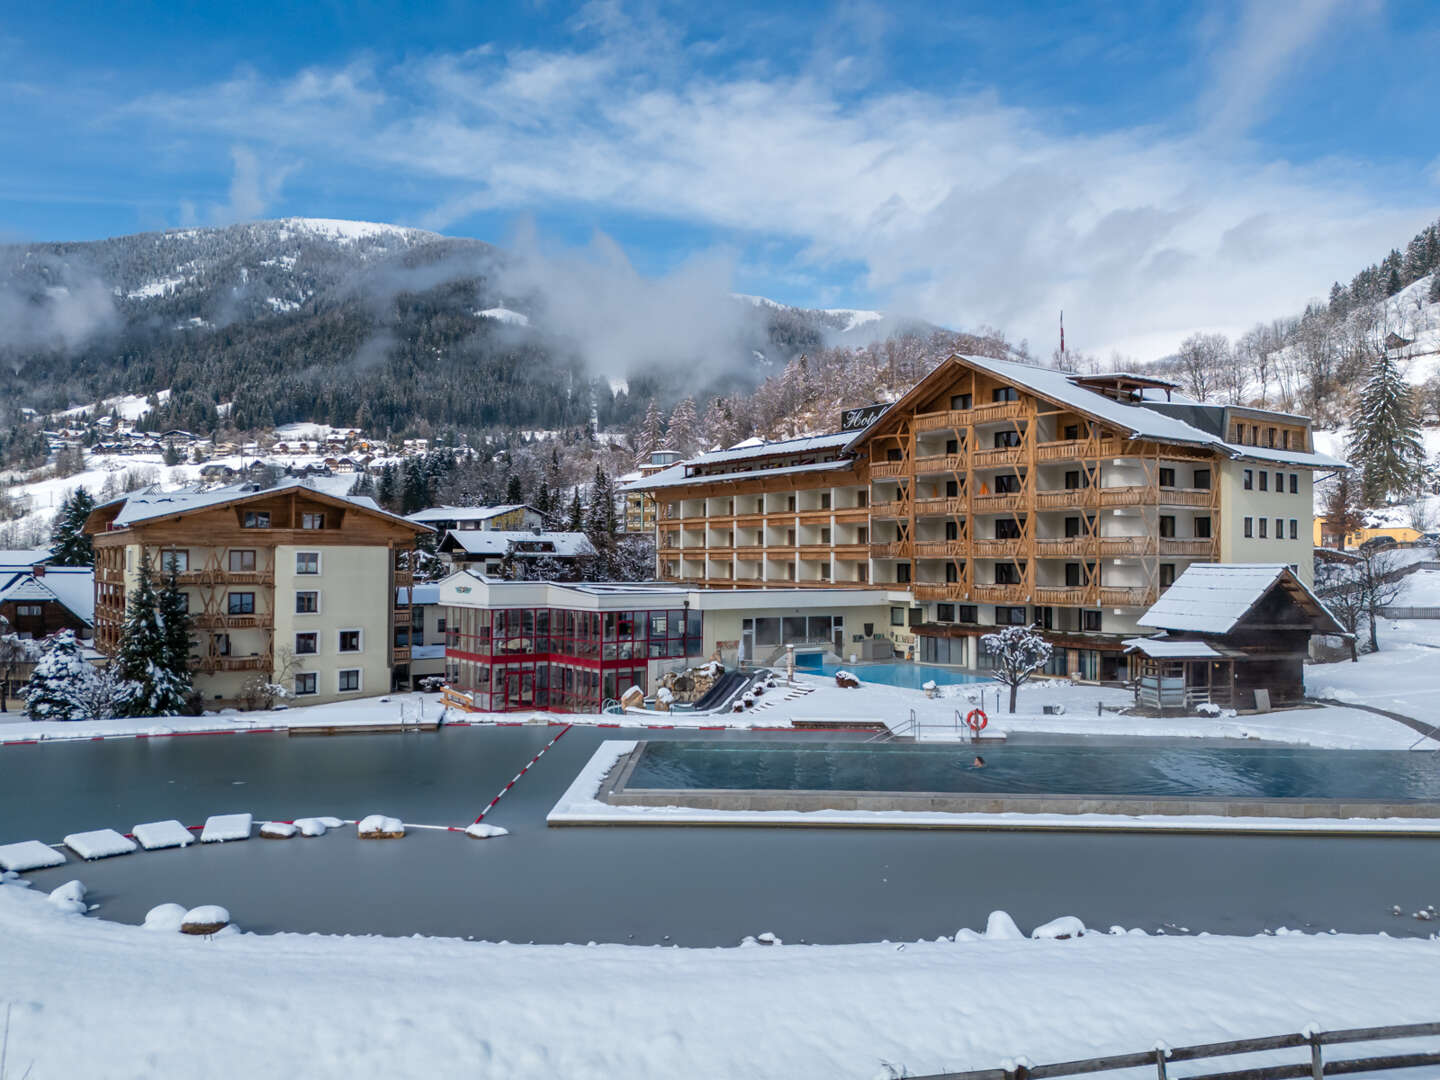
pixel 1152 168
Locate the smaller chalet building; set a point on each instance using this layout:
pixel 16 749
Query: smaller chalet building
pixel 40 600
pixel 479 518
pixel 484 550
pixel 1230 633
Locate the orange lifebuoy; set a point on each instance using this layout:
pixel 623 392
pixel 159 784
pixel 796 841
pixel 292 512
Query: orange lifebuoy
pixel 977 720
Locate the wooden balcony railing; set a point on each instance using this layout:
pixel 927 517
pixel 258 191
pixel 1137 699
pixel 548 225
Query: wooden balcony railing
pixel 400 617
pixel 1064 499
pixel 943 591
pixel 940 463
pixel 946 506
pixel 1067 547
pixel 1137 596
pixel 997 504
pixel 1112 546
pixel 1132 495
pixel 950 419
pixel 939 549
pixel 225 577
pixel 897 509
pixel 851 551
pixel 260 621
pixel 814 551
pixel 993 548
pixel 400 654
pixel 1185 496
pixel 893 549
pixel 1001 455
pixel 888 470
pixel 1066 450
pixel 997 412
pixel 1196 548
pixel 258 662
pixel 1063 595
pixel 1001 594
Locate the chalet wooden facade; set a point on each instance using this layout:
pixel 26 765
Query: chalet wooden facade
pixel 995 493
pixel 288 583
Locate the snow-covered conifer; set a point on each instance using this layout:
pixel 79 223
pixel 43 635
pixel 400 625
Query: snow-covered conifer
pixel 60 685
pixel 145 655
pixel 1385 433
pixel 69 546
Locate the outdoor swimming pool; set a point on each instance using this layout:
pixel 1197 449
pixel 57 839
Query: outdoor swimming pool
pixel 912 676
pixel 1390 776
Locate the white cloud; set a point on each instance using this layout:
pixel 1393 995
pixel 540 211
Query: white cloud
pixel 253 189
pixel 962 209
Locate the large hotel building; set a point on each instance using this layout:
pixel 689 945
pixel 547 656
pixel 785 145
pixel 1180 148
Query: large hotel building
pixel 995 493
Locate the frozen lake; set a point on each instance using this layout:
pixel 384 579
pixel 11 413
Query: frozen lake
pixel 682 885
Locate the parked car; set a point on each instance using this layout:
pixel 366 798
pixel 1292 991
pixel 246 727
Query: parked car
pixel 1379 543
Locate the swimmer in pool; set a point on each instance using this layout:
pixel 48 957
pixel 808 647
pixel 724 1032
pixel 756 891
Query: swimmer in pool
pixel 978 763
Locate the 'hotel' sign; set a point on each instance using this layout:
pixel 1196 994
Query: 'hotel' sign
pixel 860 419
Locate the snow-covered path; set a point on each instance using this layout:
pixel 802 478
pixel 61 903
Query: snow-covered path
pixel 1404 676
pixel 242 1006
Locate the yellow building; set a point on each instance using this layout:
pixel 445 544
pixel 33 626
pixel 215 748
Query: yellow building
pixel 1401 534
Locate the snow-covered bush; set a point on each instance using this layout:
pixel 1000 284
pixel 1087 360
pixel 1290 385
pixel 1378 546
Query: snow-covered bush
pixel 1019 652
pixel 61 685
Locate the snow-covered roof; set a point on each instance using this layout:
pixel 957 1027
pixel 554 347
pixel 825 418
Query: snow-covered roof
pixel 1168 649
pixel 73 587
pixel 462 513
pixel 756 448
pixel 1211 598
pixel 675 475
pixel 499 541
pixel 421 594
pixel 23 557
pixel 155 502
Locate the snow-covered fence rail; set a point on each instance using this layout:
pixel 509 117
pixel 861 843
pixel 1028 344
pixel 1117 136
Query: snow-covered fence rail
pixel 1391 611
pixel 1161 1058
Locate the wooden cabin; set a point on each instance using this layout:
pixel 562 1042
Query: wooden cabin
pixel 1231 634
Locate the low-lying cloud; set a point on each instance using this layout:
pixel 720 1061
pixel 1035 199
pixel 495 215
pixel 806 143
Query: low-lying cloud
pixel 48 302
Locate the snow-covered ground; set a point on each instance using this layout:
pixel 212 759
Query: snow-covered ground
pixel 239 1006
pixel 1404 676
pixel 1422 589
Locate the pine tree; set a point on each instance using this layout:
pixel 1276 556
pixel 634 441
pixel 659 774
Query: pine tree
pixel 652 434
pixel 602 524
pixel 387 492
pixel 69 545
pixel 173 612
pixel 1392 283
pixel 1385 434
pixel 684 428
pixel 145 655
pixel 514 491
pixel 60 684
pixel 575 520
pixel 1342 516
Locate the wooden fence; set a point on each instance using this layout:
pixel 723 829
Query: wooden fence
pixel 1316 1068
pixel 1392 611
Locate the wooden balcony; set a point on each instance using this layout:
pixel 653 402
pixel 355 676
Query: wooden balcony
pixel 259 621
pixel 1185 497
pixel 998 457
pixel 812 552
pixel 1064 499
pixel 943 591
pixel 212 577
pixel 948 420
pixel 400 655
pixel 894 549
pixel 1067 548
pixel 749 521
pixel 404 579
pixel 997 412
pixel 1133 495
pixel 998 504
pixel 940 463
pixel 1137 596
pixel 995 548
pixel 946 506
pixel 1061 595
pixel 939 549
pixel 898 509
pixel 400 617
pixel 851 551
pixel 1201 549
pixel 1000 594
pixel 851 514
pixel 258 662
pixel 1066 450
pixel 1116 546
pixel 816 515
pixel 888 470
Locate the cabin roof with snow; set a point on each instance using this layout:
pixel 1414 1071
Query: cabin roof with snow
pixel 522 543
pixel 1214 598
pixel 465 513
pixel 72 587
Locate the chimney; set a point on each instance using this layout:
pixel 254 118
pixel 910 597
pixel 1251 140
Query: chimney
pixel 38 570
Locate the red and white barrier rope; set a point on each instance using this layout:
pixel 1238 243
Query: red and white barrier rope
pixel 521 773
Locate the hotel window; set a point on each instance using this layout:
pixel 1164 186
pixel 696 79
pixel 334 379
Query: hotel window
pixel 1073 578
pixel 1285 439
pixel 1167 478
pixel 307 603
pixel 220 645
pixel 1249 479
pixel 952 530
pixel 1279 528
pixel 1294 529
pixel 1202 479
pixel 944 612
pixel 952 573
pixel 1045 618
pixel 240 603
pixel 1239 434
pixel 307 644
pixel 306 683
pixel 1006 439
pixel 1007 484
pixel 902 573
pixel 952 446
pixel 1010 616
pixel 952 488
pixel 1264 480
pixel 1005 393
pixel 1264 527
pixel 893 454
pixel 1270 436
pixel 307 562
pixel 349 680
pixel 1249 527
pixel 312 521
pixel 824 501
pixel 967 613
pixel 349 640
pixel 1007 529
pixel 1294 483
pixel 960 401
pixel 1167 575
pixel 1090 621
pixel 29 611
pixel 256 519
pixel 174 562
pixel 1202 528
pixel 1167 526
pixel 1072 432
pixel 897 616
pixel 242 562
pixel 1007 573
pixel 862 498
pixel 1279 483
